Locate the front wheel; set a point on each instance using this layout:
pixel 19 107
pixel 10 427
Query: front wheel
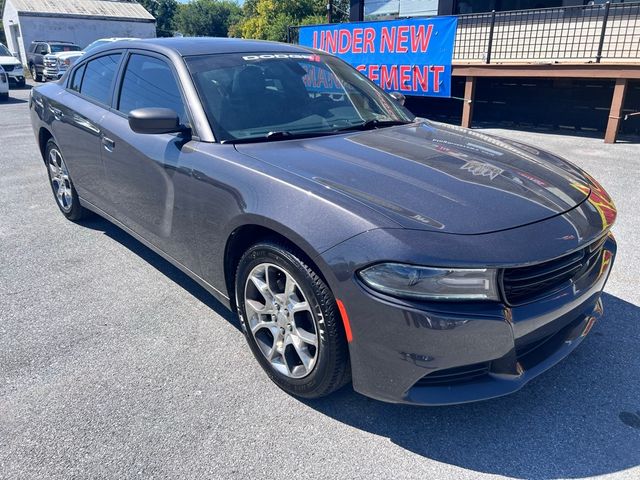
pixel 61 184
pixel 291 321
pixel 34 73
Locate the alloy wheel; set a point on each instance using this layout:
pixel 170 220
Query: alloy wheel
pixel 281 320
pixel 60 180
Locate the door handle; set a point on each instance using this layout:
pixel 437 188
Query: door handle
pixel 108 144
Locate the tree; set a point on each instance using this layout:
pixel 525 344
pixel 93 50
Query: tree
pixel 341 10
pixel 164 12
pixel 270 19
pixel 211 18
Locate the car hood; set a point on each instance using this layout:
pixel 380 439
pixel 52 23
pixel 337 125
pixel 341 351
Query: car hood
pixel 434 176
pixel 9 60
pixel 65 55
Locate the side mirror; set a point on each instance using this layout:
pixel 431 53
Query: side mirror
pixel 155 120
pixel 398 97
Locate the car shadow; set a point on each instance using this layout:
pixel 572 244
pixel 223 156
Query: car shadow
pixel 26 86
pixel 13 100
pixel 579 419
pixel 95 222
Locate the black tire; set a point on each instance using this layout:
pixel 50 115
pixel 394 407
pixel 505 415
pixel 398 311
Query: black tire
pixel 4 97
pixel 73 210
pixel 331 370
pixel 34 73
pixel 21 83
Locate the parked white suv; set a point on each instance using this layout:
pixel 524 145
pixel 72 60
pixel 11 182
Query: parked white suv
pixel 12 66
pixel 4 85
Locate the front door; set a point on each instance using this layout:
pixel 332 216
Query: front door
pixel 143 172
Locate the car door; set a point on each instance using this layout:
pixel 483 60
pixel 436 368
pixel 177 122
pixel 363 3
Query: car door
pixel 144 172
pixel 79 112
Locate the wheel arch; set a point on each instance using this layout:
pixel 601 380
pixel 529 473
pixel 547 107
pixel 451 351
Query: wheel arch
pixel 248 234
pixel 44 135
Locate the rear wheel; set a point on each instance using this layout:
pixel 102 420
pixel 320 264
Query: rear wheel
pixel 61 184
pixel 291 321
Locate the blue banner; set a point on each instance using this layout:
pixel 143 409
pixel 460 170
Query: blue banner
pixel 411 56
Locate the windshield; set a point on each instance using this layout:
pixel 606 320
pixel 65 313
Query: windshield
pixel 95 44
pixel 4 52
pixel 64 48
pixel 278 95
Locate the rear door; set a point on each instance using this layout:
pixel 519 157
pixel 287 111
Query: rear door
pixel 79 113
pixel 143 172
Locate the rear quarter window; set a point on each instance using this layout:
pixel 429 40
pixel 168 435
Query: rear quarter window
pixel 76 79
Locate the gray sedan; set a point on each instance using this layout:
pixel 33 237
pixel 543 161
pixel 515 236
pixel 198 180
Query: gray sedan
pixel 426 263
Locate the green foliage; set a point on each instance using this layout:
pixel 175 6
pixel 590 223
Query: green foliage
pixel 164 12
pixel 211 18
pixel 262 19
pixel 270 19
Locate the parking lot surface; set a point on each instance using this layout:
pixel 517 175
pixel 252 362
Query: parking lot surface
pixel 113 364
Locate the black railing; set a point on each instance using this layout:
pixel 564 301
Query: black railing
pixel 610 31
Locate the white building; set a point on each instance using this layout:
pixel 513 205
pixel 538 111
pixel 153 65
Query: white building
pixel 78 21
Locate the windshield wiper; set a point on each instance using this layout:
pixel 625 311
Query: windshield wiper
pixel 278 135
pixel 374 123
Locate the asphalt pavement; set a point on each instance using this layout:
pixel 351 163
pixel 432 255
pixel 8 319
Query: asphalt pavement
pixel 115 365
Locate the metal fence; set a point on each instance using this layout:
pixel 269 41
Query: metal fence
pixel 593 33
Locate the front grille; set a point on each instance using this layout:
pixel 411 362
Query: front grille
pixel 456 375
pixel 8 68
pixel 526 284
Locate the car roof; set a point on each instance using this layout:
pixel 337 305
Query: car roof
pixel 189 46
pixel 64 42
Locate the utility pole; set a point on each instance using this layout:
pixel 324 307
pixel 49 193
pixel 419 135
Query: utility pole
pixel 330 12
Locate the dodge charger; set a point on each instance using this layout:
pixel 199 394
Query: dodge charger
pixel 425 263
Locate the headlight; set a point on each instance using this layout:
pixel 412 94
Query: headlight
pixel 425 283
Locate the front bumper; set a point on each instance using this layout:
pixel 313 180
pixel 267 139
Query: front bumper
pixel 450 353
pixel 53 72
pixel 16 75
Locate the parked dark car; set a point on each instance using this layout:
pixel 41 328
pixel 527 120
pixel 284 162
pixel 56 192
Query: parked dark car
pixel 428 263
pixel 42 58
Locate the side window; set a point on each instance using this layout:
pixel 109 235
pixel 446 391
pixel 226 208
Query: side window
pixel 149 82
pixel 98 77
pixel 76 81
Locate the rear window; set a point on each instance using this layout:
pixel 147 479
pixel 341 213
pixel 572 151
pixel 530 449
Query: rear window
pixel 57 48
pixel 98 77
